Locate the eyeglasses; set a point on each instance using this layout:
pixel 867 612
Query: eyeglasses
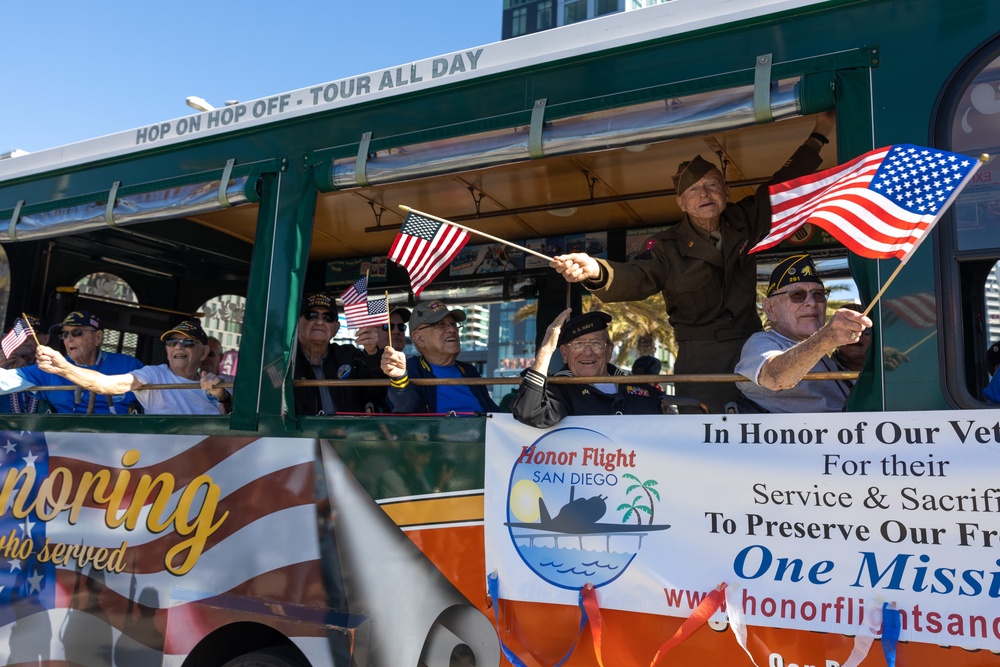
pixel 398 326
pixel 75 333
pixel 799 295
pixel 443 324
pixel 183 342
pixel 314 315
pixel 596 346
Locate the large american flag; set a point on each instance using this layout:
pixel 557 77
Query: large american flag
pixel 359 311
pixel 424 247
pixel 879 205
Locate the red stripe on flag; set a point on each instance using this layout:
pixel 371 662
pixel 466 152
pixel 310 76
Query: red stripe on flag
pixel 879 205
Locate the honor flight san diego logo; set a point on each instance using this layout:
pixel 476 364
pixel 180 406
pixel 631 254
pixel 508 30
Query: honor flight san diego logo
pixel 578 508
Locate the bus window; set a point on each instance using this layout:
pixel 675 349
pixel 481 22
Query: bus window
pixel 108 286
pixel 991 293
pixel 971 125
pixel 222 319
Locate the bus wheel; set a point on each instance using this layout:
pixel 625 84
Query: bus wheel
pixel 270 657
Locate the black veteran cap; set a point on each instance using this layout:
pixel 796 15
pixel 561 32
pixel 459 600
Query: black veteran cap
pixel 78 318
pixel 402 312
pixel 189 329
pixel 993 356
pixel 34 321
pixel 581 325
pixel 690 172
pixel 318 300
pixel 794 269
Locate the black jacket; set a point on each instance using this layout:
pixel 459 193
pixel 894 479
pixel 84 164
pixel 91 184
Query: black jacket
pixel 343 362
pixel 539 404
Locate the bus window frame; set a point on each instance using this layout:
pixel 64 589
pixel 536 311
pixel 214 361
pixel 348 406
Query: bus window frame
pixel 960 291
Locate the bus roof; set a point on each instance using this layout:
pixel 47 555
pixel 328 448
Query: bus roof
pixel 614 31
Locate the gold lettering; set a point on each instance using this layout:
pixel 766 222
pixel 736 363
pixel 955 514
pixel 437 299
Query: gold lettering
pixel 196 523
pixel 62 478
pixel 87 479
pixel 27 476
pixel 203 528
pixel 161 489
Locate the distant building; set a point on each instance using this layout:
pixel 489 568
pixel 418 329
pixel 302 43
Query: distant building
pixel 521 17
pixel 992 290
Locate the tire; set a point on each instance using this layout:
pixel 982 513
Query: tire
pixel 268 657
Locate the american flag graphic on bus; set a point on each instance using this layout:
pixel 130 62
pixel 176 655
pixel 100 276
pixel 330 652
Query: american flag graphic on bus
pixel 193 524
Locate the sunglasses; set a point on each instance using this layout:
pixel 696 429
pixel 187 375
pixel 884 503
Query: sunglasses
pixel 183 342
pixel 75 333
pixel 314 315
pixel 799 296
pixel 398 326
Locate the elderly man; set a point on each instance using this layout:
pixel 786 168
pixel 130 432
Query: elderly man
pixel 82 336
pixel 701 266
pixel 586 348
pixel 434 332
pixel 213 356
pixel 319 359
pixel 798 343
pixel 186 348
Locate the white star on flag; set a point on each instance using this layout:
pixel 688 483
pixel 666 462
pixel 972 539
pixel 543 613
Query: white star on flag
pixel 35 581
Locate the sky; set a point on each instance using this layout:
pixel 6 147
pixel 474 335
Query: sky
pixel 79 70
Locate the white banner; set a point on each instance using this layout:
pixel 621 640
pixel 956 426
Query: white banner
pixel 815 518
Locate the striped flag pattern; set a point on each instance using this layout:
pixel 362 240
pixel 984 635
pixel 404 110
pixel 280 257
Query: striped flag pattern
pixel 917 310
pixel 424 247
pixel 880 204
pixel 359 311
pixel 17 335
pixel 145 614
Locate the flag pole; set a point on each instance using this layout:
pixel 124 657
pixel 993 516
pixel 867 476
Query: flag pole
pixel 922 341
pixel 388 318
pixel 477 232
pixel 983 159
pixel 30 328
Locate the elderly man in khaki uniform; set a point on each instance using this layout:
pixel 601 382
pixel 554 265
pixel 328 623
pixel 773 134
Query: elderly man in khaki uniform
pixel 702 267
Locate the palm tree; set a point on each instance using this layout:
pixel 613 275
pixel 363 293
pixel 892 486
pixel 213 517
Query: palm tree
pixel 646 486
pixel 629 509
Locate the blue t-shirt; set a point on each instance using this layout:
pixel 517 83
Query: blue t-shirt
pixel 454 398
pixel 992 391
pixel 108 363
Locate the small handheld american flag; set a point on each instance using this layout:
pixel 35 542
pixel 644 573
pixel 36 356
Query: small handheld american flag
pixel 17 335
pixel 358 310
